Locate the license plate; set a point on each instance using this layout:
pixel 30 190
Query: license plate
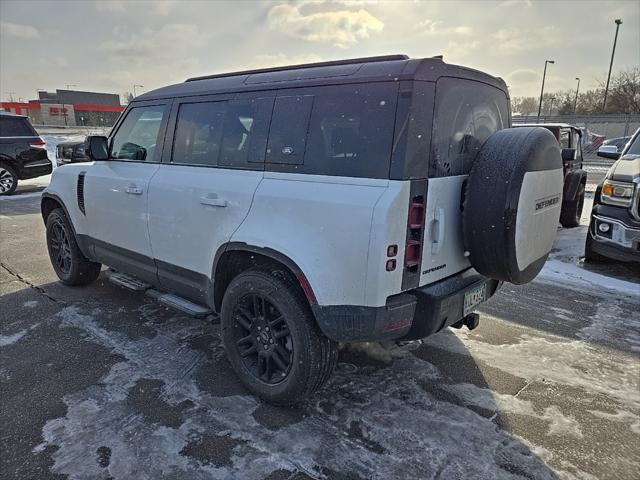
pixel 474 297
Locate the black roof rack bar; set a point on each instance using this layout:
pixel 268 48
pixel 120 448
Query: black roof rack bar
pixel 381 58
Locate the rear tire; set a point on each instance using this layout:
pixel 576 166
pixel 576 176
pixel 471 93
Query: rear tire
pixel 69 263
pixel 8 180
pixel 272 340
pixel 572 210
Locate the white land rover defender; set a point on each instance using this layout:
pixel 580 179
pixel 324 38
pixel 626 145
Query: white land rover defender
pixel 374 199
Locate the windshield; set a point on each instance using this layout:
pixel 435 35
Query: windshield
pixel 634 148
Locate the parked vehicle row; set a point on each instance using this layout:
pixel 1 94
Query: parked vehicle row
pixel 614 227
pixel 22 152
pixel 378 199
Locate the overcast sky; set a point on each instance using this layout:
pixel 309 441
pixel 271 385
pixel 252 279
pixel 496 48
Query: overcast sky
pixel 109 46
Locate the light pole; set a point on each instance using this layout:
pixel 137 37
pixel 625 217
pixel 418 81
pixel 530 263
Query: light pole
pixel 544 75
pixel 134 89
pixel 575 102
pixel 613 52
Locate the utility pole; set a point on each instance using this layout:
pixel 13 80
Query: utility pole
pixel 544 75
pixel 613 52
pixel 134 89
pixel 575 102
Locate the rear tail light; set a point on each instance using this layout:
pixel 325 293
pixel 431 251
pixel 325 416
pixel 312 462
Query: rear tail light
pixel 415 231
pixel 38 143
pixel 416 214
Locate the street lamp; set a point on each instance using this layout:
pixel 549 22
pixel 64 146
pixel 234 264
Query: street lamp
pixel 134 89
pixel 575 102
pixel 613 52
pixel 542 90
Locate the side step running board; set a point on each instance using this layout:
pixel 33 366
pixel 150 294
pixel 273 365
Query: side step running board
pixel 126 281
pixel 168 299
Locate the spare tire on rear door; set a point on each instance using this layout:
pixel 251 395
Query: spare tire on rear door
pixel 512 203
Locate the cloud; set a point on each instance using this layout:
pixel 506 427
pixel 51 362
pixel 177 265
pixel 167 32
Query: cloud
pixel 456 50
pixel 341 28
pixel 111 6
pixel 149 44
pixel 513 40
pixel 157 7
pixel 523 75
pixel 18 30
pixel 436 27
pixel 515 3
pixel 280 59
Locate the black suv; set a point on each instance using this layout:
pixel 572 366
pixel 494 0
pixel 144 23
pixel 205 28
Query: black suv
pixel 22 152
pixel 575 178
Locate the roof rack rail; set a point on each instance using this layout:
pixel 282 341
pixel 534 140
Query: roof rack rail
pixel 381 58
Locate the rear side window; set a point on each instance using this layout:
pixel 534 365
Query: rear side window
pixel 227 133
pixel 351 131
pixel 344 130
pixel 15 127
pixel 137 137
pixel 198 134
pixel 466 114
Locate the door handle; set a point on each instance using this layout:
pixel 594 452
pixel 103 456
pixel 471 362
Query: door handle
pixel 133 190
pixel 437 231
pixel 213 201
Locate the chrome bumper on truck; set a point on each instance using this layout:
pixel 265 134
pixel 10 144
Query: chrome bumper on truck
pixel 410 315
pixel 620 241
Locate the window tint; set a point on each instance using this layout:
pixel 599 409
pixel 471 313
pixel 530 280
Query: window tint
pixel 137 137
pixel 199 133
pixel 15 127
pixel 351 131
pixel 289 126
pixel 466 114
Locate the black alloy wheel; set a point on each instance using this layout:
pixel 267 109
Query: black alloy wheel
pixel 262 338
pixel 60 247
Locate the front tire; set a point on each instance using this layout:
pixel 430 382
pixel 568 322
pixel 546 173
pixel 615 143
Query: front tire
pixel 71 266
pixel 572 210
pixel 272 340
pixel 590 256
pixel 8 180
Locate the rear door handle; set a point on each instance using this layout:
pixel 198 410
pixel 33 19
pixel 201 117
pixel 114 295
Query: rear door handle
pixel 133 190
pixel 213 201
pixel 437 231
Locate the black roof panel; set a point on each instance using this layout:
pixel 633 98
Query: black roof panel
pixel 359 70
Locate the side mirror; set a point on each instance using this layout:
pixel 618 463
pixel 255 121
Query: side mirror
pixel 609 151
pixel 568 153
pixel 97 147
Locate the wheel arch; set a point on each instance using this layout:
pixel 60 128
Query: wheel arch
pixel 572 183
pixel 49 203
pixel 236 257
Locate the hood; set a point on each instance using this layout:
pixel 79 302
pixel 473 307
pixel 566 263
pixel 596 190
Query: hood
pixel 625 169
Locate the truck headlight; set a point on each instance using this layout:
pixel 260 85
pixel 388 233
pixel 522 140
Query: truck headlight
pixel 617 193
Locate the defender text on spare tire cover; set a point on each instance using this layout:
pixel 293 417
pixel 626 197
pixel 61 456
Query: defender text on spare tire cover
pixel 512 204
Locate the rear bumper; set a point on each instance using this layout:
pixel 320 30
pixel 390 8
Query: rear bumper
pixel 35 168
pixel 411 315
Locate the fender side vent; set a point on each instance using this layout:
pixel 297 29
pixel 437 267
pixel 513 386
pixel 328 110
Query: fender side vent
pixel 80 192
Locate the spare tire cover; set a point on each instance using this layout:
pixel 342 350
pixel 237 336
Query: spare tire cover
pixel 512 203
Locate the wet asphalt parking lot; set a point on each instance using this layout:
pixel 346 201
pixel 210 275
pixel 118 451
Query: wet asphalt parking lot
pixel 99 382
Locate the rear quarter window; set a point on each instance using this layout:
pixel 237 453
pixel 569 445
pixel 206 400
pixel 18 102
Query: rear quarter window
pixel 344 130
pixel 16 127
pixel 466 114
